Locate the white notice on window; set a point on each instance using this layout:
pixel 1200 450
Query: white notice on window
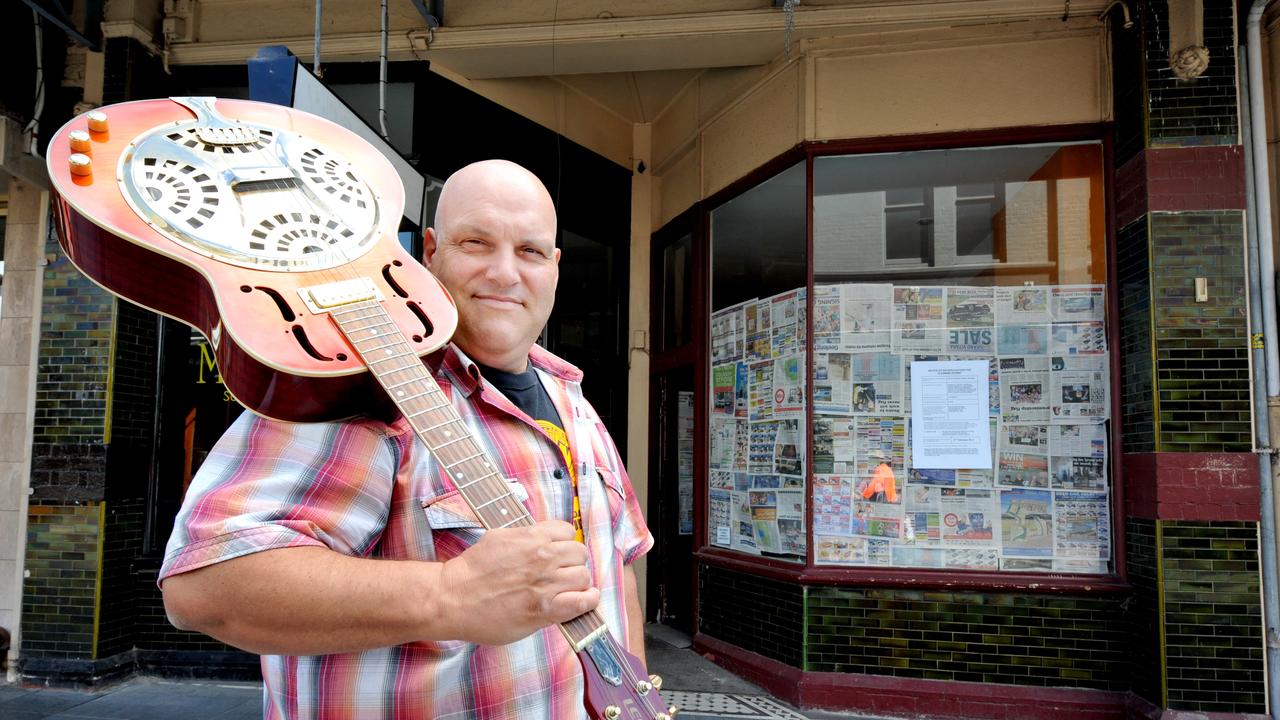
pixel 949 427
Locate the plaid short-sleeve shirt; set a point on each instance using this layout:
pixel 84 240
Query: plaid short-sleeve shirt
pixel 368 489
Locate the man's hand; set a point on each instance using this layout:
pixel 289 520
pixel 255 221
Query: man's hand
pixel 515 581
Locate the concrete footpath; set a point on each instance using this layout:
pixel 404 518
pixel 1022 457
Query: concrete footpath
pixel 701 689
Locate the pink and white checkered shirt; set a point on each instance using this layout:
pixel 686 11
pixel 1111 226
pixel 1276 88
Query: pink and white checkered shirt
pixel 368 489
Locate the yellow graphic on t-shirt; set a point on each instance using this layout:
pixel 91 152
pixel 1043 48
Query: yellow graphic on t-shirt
pixel 557 434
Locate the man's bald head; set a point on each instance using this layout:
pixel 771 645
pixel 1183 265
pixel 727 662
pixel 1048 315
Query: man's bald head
pixel 491 177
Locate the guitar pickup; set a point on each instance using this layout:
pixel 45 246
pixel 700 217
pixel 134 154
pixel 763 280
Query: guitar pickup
pixel 320 299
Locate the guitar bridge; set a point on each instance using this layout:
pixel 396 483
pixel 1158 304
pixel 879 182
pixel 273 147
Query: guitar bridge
pixel 321 299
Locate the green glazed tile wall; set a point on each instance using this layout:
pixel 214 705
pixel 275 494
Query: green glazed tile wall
pixel 1203 111
pixel 1133 268
pixel 68 450
pixel 58 598
pixel 1144 575
pixel 1213 616
pixel 754 613
pixel 1044 640
pixel 1202 369
pixel 75 346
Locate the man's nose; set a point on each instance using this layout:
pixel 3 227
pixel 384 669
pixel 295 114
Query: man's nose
pixel 502 269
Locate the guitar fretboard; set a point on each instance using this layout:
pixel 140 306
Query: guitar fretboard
pixel 398 369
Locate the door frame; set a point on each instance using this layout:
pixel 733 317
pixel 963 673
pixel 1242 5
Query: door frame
pixel 664 360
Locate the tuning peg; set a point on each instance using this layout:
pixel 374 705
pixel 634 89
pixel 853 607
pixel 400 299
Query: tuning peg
pixel 613 712
pixel 79 141
pixel 80 165
pixel 98 121
pixel 656 681
pixel 643 687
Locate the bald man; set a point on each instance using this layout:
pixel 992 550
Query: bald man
pixel 342 553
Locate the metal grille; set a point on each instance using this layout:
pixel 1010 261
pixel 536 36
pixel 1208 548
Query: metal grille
pixel 249 195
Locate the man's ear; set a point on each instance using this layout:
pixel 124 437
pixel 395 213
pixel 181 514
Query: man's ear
pixel 429 246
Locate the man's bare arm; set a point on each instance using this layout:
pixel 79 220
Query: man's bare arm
pixel 635 614
pixel 311 600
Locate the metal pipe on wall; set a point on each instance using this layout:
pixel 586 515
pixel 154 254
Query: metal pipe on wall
pixel 315 57
pixel 1262 307
pixel 382 78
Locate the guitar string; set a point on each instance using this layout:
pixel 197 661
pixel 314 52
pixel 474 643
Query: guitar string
pixel 583 625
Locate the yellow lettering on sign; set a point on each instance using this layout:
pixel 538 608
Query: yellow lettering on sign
pixel 208 362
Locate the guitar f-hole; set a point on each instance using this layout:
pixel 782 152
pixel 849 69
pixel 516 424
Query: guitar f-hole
pixel 301 336
pixel 386 275
pixel 427 327
pixel 286 312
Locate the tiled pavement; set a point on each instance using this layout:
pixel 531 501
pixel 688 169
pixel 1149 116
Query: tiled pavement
pixel 701 689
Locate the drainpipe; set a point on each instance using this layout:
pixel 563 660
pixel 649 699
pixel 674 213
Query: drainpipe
pixel 1262 306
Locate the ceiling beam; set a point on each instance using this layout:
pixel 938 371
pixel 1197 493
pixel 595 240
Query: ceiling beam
pixel 720 39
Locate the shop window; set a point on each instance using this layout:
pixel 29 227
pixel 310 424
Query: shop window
pixel 758 328
pixel 957 413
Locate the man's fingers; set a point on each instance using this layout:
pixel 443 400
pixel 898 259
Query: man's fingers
pixel 567 553
pixel 569 605
pixel 557 530
pixel 572 578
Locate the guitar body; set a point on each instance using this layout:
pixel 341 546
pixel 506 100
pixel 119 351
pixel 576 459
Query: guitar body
pixel 276 355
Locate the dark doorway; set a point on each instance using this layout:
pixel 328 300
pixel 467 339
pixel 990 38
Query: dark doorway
pixel 675 412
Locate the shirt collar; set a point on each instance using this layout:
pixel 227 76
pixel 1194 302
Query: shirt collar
pixel 463 374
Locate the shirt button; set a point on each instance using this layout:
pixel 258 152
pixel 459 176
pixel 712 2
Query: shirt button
pixel 558 474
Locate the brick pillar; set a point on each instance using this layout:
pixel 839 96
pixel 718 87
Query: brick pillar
pixel 69 440
pixel 83 534
pixel 1190 480
pixel 24 231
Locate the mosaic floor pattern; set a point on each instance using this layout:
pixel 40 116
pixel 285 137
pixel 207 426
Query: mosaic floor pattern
pixel 724 706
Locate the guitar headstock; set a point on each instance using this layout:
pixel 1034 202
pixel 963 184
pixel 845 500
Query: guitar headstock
pixel 617 687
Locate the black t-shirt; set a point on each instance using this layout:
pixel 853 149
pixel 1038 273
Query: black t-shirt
pixel 525 391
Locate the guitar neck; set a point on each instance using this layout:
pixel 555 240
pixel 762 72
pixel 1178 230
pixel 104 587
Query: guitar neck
pixel 392 361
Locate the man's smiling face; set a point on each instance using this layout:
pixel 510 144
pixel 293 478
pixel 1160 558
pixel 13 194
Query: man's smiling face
pixel 495 251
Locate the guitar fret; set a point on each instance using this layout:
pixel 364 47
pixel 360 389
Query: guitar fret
pixel 396 356
pixel 447 443
pixel 368 350
pixel 353 308
pixel 426 410
pixel 511 522
pixel 465 459
pixel 410 381
pixel 487 503
pixel 371 325
pixel 391 371
pixel 437 426
pixel 415 397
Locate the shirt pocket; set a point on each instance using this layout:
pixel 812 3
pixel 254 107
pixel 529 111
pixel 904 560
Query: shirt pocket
pixel 614 493
pixel 454 526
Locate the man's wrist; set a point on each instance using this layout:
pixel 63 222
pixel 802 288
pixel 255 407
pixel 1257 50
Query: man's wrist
pixel 429 602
